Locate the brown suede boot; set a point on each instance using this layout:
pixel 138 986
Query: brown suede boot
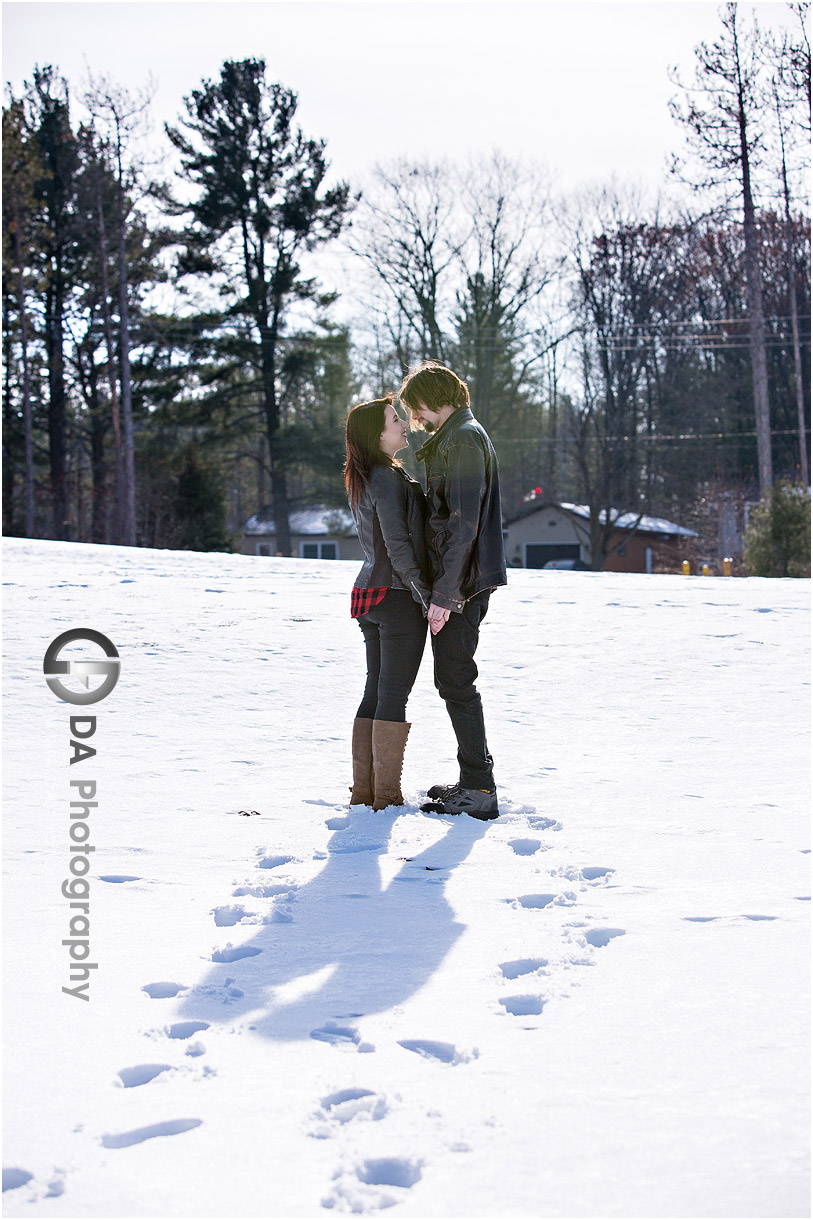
pixel 362 791
pixel 389 743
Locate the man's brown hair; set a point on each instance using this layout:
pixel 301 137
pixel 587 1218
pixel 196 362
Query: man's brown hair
pixel 435 386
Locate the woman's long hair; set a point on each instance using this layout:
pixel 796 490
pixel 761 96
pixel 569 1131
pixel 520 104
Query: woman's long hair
pixel 365 423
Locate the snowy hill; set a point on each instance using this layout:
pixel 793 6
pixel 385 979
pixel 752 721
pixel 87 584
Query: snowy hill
pixel 594 1006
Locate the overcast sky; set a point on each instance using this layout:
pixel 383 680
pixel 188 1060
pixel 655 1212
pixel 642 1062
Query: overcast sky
pixel 582 87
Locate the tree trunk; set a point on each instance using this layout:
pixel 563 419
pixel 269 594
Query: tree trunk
pixel 100 507
pixel 261 472
pixel 56 405
pixel 27 424
pixel 596 541
pixel 118 456
pixel 804 468
pixel 552 448
pixel 279 486
pixel 126 394
pixel 756 317
pixel 9 465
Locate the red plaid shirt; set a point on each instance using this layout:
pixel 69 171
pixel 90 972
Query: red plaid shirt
pixel 362 600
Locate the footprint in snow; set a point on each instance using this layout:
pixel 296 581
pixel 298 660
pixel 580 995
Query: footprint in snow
pixel 533 902
pixel 228 916
pixel 761 918
pixel 163 991
pixel 185 1029
pixel 264 891
pixel 14 1178
pixel 118 878
pixel 126 1139
pixel 273 861
pixel 343 1036
pixel 540 823
pixel 339 1108
pixel 443 1052
pixel 523 1005
pixel 525 847
pixel 596 873
pixel 599 937
pixel 56 1186
pixel 375 1184
pixel 143 1073
pixel 224 991
pixel 337 823
pixel 389 1171
pixel 523 965
pixel 233 953
pixel 701 918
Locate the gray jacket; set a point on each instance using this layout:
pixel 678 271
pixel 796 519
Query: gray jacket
pixel 391 522
pixel 464 529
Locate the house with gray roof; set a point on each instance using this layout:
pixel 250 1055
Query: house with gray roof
pixel 540 532
pixel 317 532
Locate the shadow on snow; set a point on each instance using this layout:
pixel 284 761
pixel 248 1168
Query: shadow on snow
pixel 342 946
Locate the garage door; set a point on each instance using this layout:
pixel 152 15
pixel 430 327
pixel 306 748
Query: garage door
pixel 537 554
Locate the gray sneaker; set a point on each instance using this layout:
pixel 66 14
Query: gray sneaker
pixel 443 792
pixel 473 801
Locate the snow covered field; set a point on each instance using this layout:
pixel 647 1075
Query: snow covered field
pixel 594 1006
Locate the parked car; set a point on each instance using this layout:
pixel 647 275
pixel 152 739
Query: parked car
pixel 568 565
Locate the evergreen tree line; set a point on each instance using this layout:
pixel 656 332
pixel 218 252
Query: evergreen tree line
pixel 174 358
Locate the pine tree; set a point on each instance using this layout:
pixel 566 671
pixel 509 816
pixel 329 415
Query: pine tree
pixel 262 204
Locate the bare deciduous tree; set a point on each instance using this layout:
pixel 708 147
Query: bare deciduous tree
pixel 723 114
pixel 506 263
pixel 408 232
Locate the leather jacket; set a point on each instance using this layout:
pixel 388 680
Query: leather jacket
pixel 391 523
pixel 464 529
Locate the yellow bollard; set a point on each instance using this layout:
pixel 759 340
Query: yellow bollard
pixel 687 568
pixel 705 569
pixel 726 567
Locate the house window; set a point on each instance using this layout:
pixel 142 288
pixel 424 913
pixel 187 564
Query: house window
pixel 263 548
pixel 318 550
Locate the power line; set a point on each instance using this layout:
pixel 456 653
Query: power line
pixel 643 436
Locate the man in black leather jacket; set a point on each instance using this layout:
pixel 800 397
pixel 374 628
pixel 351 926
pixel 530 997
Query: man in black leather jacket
pixel 466 550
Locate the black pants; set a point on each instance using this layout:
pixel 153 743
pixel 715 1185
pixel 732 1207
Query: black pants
pixel 394 636
pixel 454 647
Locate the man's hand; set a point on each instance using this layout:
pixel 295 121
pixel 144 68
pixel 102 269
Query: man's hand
pixel 438 617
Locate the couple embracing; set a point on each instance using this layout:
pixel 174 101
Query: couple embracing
pixel 431 560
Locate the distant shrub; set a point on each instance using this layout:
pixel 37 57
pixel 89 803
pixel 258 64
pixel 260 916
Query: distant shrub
pixel 777 540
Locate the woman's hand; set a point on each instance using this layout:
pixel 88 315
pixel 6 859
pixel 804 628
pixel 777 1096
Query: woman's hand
pixel 437 617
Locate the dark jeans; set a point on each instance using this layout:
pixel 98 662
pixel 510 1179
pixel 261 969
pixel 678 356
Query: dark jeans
pixel 394 636
pixel 454 647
